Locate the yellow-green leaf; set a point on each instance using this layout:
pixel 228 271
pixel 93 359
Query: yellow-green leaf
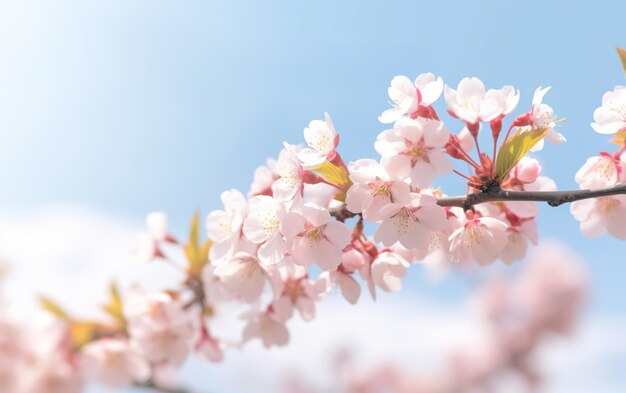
pixel 335 175
pixel 115 308
pixel 82 333
pixel 191 248
pixel 204 251
pixel 619 138
pixel 194 233
pixel 54 308
pixel 197 253
pixel 622 55
pixel 517 146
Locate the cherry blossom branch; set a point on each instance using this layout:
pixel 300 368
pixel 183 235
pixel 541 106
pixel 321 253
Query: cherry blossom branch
pixel 552 198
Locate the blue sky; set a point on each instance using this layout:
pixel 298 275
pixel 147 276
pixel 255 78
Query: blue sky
pixel 129 107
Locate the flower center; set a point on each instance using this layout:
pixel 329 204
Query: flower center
pixel 470 104
pixel 405 219
pixel 270 223
pixel 607 204
pixel 321 143
pixel 618 110
pixel 314 234
pixel 294 290
pixel 400 97
pixel 380 188
pixel 417 151
pixel 606 169
pixel 474 234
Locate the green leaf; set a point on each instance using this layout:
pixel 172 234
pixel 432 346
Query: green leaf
pixel 622 55
pixel 517 146
pixel 54 308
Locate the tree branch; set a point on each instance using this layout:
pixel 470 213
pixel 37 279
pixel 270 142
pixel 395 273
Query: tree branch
pixel 552 198
pixel 162 389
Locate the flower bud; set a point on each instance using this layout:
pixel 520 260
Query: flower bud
pixel 527 170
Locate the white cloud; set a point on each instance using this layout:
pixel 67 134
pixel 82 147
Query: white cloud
pixel 70 254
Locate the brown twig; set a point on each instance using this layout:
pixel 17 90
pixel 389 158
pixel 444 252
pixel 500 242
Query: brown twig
pixel 552 198
pixel 160 388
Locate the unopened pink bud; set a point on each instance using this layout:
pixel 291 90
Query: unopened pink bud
pixel 473 128
pixel 523 120
pixel 528 170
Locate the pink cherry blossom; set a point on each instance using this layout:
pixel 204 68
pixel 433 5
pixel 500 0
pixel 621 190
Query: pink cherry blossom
pixel 14 350
pixel 601 215
pixel 271 332
pixel 293 289
pixel 349 287
pixel 112 362
pixel 527 170
pixel 480 239
pixel 352 259
pixel 499 103
pixel 435 257
pixel 322 140
pixel 264 177
pixel 542 116
pixel 541 183
pixel 611 116
pixel 374 192
pixel 465 101
pixel 290 182
pixel 318 239
pixel 519 235
pixel 147 243
pixel 263 225
pixel 599 171
pixel 387 271
pixel 472 104
pixel 522 226
pixel 50 373
pixel 242 276
pixel 36 356
pixel 224 226
pixel 210 348
pixel 407 96
pixel 320 193
pixel 160 329
pixel 412 223
pixel 413 150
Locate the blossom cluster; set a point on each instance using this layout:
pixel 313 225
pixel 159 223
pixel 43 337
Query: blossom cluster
pixel 518 314
pixel 155 335
pixel 605 214
pixel 312 222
